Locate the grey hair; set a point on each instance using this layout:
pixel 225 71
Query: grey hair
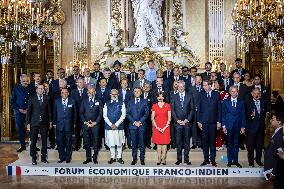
pixel 233 87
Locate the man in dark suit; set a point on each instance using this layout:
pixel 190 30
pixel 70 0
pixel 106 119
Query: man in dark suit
pixel 141 80
pixel 33 85
pixel 78 94
pixel 39 120
pixel 257 83
pixel 125 95
pixel 175 76
pixel 173 92
pixel 243 94
pixel 91 114
pixel 137 113
pixel 196 132
pixel 186 77
pixel 168 73
pixel 132 76
pixel 55 88
pixel 103 91
pixel 220 74
pixel 209 120
pixel 193 73
pixel 182 112
pixel 71 80
pixel 97 74
pixel 233 123
pixel 159 86
pixel 279 103
pixel 64 120
pixel 19 101
pixel 274 156
pixel 116 75
pixel 207 74
pixel 226 80
pixel 255 127
pixel 49 76
pixel 239 69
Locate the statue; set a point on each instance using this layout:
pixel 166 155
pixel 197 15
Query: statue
pixel 148 23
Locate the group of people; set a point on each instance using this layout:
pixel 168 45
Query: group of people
pixel 142 109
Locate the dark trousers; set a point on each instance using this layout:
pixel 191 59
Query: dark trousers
pixel 173 134
pixel 183 140
pixel 35 130
pixel 196 133
pixel 51 136
pixel 148 132
pixel 88 135
pixel 233 144
pixel 20 126
pixel 78 135
pixel 127 132
pixel 255 141
pixel 64 144
pixel 138 137
pixel 209 141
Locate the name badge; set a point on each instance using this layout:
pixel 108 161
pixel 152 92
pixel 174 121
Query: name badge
pixel 69 106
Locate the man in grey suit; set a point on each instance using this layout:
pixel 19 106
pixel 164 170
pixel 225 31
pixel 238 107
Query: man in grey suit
pixel 182 111
pixel 141 80
pixel 88 80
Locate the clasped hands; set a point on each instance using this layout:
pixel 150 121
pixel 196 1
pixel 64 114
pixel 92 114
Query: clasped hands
pixel 201 126
pixel 137 123
pixel 29 126
pixel 184 122
pixel 90 123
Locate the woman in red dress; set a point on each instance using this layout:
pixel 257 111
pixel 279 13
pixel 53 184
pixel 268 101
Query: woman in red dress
pixel 161 118
pixel 220 136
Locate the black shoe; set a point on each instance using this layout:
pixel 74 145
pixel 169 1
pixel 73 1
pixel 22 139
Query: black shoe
pixel 178 162
pixel 51 147
pixel 60 161
pixel 237 164
pixel 193 147
pixel 242 147
pixel 34 161
pixel 77 148
pixel 21 149
pixel 159 163
pixel 134 162
pixel 173 146
pixel 111 161
pixel 107 148
pixel 187 162
pixel 149 147
pixel 142 162
pixel 37 149
pixel 44 161
pixel 164 164
pixel 259 163
pixel 95 161
pixel 214 164
pixel 120 161
pixel 129 146
pixel 68 161
pixel 229 164
pixel 87 161
pixel 205 163
pixel 251 164
pixel 155 147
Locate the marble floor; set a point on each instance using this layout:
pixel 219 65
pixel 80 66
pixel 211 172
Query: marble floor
pixel 8 155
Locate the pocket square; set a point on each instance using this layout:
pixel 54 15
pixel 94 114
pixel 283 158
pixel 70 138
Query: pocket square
pixel 69 106
pixel 97 103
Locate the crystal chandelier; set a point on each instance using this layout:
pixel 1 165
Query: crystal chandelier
pixel 260 20
pixel 22 21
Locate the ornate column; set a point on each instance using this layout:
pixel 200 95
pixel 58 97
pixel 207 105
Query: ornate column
pixel 5 108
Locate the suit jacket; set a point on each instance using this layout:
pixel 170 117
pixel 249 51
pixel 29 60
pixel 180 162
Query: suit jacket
pixel 279 104
pixel 172 79
pixel 137 83
pixel 154 92
pixel 230 82
pixel 97 75
pixel 19 98
pixel 91 112
pixel 78 99
pixel 116 80
pixel 103 98
pixel 220 75
pixel 242 73
pixel 243 92
pixel 65 121
pixel 72 82
pixel 55 86
pixel 187 82
pixel 128 96
pixel 32 89
pixel 137 112
pixel 206 76
pixel 92 81
pixel 209 108
pixel 149 98
pixel 257 123
pixel 233 116
pixel 165 75
pixel 132 76
pixel 185 112
pixel 39 114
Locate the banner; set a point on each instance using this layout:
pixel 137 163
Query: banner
pixel 136 171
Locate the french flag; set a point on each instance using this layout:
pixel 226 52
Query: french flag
pixel 14 170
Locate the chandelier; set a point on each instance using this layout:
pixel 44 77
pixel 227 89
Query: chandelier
pixel 260 20
pixel 24 21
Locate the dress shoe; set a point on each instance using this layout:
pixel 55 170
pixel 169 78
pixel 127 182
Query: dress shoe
pixel 95 161
pixel 214 164
pixel 34 161
pixel 155 147
pixel 193 147
pixel 60 161
pixel 44 161
pixel 51 147
pixel 149 147
pixel 251 165
pixel 229 164
pixel 187 162
pixel 173 146
pixel 87 161
pixel 205 163
pixel 120 161
pixel 259 163
pixel 37 149
pixel 237 164
pixel 178 162
pixel 129 146
pixel 159 163
pixel 142 162
pixel 68 161
pixel 242 147
pixel 164 163
pixel 134 162
pixel 77 148
pixel 21 149
pixel 111 161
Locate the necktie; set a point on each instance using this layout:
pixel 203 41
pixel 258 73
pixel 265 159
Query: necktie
pixel 145 95
pixel 208 95
pixel 257 106
pixel 91 102
pixel 40 100
pixel 64 105
pixel 141 83
pixel 159 89
pixel 80 92
pixel 234 103
pixel 103 90
pixel 168 73
pixel 198 88
pixel 176 78
pixel 181 100
pixel 132 77
pixel 137 100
